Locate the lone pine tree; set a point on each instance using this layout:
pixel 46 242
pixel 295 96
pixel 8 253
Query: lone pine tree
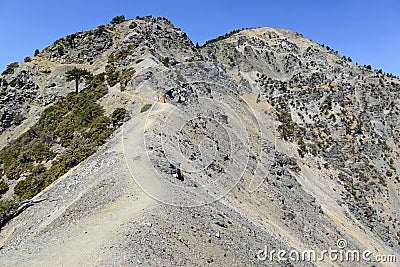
pixel 76 74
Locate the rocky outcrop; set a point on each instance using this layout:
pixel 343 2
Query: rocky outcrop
pixel 16 96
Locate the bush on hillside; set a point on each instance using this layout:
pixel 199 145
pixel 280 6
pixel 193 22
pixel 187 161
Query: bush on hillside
pixel 10 68
pixel 117 19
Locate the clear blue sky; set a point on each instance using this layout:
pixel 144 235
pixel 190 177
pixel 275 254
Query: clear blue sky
pixel 367 31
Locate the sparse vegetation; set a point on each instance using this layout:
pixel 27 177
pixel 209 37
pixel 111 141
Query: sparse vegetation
pixel 302 148
pixel 118 116
pixel 18 119
pixel 3 187
pixel 222 37
pixel 126 76
pixel 166 62
pixel 117 19
pixel 76 122
pixel 124 53
pixel 145 108
pixel 6 205
pixel 10 68
pixel 288 127
pixel 114 76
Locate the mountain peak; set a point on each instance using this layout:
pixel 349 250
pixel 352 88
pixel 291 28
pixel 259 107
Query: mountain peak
pixel 259 139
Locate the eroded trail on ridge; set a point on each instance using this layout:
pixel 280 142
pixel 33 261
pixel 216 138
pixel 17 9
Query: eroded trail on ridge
pixel 79 241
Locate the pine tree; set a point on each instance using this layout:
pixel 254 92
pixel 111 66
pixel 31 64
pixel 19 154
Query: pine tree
pixel 76 74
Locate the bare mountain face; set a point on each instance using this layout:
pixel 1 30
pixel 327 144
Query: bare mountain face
pixel 257 141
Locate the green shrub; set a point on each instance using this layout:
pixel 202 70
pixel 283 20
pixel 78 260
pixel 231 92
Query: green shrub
pixel 3 187
pixel 41 151
pixel 97 88
pixel 124 53
pixel 10 68
pixel 78 118
pixel 114 76
pixel 16 169
pixel 117 56
pixel 118 116
pixel 98 91
pixel 126 76
pixel 6 205
pixel 27 59
pixel 302 148
pixel 28 188
pixel 166 62
pixel 98 131
pixel 38 169
pixel 76 121
pixel 97 80
pixel 18 119
pixel 117 19
pixel 145 108
pixel 100 28
pixel 288 127
pixel 37 52
pixel 222 37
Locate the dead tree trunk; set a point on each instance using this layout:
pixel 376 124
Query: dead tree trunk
pixel 11 213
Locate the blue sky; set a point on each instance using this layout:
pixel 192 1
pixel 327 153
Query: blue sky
pixel 367 31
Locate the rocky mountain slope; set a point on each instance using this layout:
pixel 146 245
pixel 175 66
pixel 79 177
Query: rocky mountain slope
pixel 258 139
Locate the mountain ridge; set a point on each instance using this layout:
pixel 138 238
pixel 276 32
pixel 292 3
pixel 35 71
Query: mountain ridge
pixel 319 135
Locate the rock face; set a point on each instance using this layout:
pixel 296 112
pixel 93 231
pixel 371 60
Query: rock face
pixel 16 98
pixel 261 139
